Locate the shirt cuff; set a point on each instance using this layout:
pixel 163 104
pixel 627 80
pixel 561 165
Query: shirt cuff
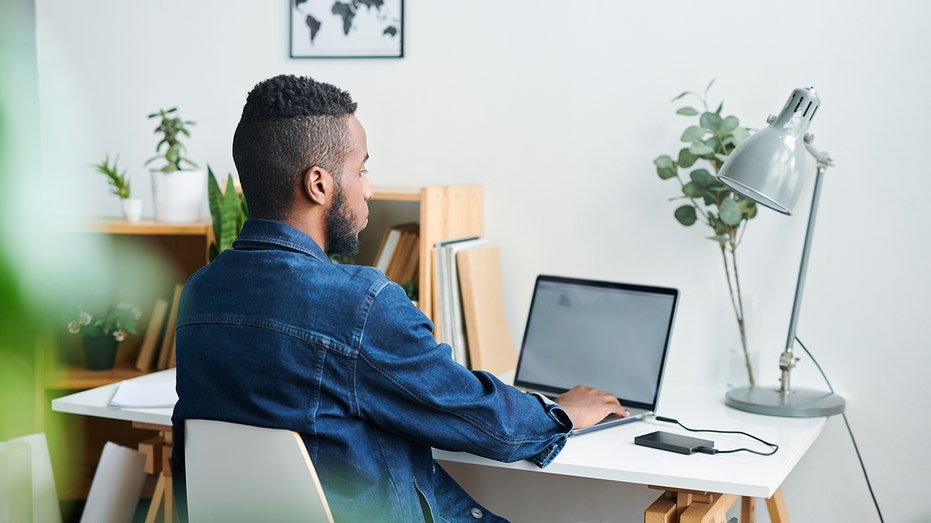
pixel 555 412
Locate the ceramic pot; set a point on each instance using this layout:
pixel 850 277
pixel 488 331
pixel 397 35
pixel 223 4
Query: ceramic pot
pixel 100 353
pixel 132 209
pixel 179 196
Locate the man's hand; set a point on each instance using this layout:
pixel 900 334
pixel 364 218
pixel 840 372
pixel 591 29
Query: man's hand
pixel 587 406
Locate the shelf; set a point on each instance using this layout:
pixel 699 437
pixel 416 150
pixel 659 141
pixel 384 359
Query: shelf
pixel 143 227
pixel 398 194
pixel 75 378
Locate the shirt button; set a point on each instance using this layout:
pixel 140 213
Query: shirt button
pixel 476 513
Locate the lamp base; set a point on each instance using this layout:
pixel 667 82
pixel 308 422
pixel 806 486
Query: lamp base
pixel 799 403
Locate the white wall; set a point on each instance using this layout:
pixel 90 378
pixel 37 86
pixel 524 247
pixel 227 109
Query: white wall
pixel 558 109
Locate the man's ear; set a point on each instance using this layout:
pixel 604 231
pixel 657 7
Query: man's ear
pixel 316 184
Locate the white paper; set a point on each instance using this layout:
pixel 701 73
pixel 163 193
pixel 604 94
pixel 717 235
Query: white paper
pixel 117 486
pixel 147 394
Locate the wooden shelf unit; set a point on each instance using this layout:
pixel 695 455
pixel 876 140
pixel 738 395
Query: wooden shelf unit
pixel 443 213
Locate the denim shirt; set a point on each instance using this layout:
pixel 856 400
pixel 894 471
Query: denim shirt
pixel 272 333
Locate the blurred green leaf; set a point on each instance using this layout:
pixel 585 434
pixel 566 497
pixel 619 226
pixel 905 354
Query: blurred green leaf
pixel 700 149
pixel 686 159
pixel 729 124
pixel 703 178
pixel 693 189
pixel 740 134
pixel 665 167
pixel 730 212
pixel 686 215
pixel 692 133
pixel 720 238
pixel 687 111
pixel 711 121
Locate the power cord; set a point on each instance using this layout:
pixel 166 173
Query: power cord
pixel 849 430
pixel 712 450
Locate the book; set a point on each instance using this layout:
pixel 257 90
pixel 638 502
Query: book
pixel 403 265
pixel 389 245
pixel 168 340
pixel 153 334
pixel 491 346
pixel 448 319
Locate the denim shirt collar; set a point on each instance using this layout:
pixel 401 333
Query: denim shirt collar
pixel 260 234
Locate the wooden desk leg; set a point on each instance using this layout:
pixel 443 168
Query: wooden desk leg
pixel 712 511
pixel 689 506
pixel 777 507
pixel 663 510
pixel 158 453
pixel 747 509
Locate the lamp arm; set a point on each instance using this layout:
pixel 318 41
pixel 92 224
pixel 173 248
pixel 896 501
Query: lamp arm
pixel 787 360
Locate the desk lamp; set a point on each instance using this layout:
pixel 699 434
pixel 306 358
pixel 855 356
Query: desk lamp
pixel 767 168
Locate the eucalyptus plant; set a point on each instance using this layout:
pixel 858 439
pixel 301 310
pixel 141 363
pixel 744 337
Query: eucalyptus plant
pixel 704 198
pixel 171 126
pixel 119 184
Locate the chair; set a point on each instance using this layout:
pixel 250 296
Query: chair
pixel 244 473
pixel 27 483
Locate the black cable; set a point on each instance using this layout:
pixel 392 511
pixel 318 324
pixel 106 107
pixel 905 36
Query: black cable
pixel 712 450
pixel 849 430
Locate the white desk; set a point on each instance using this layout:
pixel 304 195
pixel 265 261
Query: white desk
pixel 610 454
pixel 96 402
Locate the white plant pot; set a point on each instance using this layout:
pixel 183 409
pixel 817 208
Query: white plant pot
pixel 132 209
pixel 179 196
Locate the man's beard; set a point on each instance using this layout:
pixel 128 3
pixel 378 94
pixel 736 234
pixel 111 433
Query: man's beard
pixel 342 240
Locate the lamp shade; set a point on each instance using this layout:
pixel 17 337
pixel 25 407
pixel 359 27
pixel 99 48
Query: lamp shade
pixel 767 167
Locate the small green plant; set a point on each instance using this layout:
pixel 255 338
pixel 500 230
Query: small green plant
pixel 228 211
pixel 171 126
pixel 102 318
pixel 119 184
pixel 706 199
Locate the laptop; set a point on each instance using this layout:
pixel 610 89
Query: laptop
pixel 607 335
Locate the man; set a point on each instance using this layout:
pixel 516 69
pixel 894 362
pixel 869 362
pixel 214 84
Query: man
pixel 271 333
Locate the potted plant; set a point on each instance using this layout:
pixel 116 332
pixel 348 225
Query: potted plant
pixel 708 201
pixel 178 192
pixel 103 325
pixel 119 185
pixel 228 212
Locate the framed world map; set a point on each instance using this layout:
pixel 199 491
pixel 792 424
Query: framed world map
pixel 347 28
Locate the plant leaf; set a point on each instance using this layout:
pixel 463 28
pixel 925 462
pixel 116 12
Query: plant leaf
pixel 687 111
pixel 686 159
pixel 692 133
pixel 740 134
pixel 703 178
pixel 730 212
pixel 728 124
pixel 665 167
pixel 700 149
pixel 693 189
pixel 686 215
pixel 711 121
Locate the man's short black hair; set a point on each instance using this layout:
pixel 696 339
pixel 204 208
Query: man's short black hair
pixel 289 124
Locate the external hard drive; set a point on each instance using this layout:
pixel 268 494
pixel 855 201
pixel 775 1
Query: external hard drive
pixel 673 442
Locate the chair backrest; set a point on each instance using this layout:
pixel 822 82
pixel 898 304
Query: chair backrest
pixel 243 473
pixel 27 484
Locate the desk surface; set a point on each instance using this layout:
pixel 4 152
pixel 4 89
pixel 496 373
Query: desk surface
pixel 96 402
pixel 608 454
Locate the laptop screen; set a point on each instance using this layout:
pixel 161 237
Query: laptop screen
pixel 610 336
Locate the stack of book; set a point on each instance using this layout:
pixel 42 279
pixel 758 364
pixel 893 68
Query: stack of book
pixel 158 344
pixel 399 253
pixel 469 313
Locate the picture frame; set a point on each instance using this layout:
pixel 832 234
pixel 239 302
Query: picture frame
pixel 347 29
